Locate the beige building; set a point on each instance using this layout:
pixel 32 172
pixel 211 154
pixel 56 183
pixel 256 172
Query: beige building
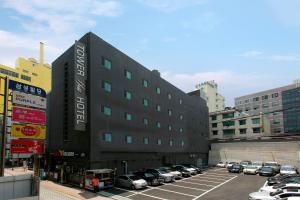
pixel 209 92
pixel 231 123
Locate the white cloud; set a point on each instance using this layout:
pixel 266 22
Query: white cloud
pixel 108 8
pixel 57 23
pixel 288 58
pixel 230 84
pixel 252 53
pixel 171 5
pixel 62 16
pixel 271 57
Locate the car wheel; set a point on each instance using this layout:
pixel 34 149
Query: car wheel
pixel 132 187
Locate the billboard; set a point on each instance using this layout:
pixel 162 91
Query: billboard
pixel 29 131
pixel 27 115
pixel 27 146
pixel 29 100
pixel 80 77
pixel 29 89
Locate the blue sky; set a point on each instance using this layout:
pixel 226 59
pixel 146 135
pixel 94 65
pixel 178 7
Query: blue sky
pixel 245 46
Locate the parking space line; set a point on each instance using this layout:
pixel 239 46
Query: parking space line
pixel 150 196
pixel 126 190
pixel 201 180
pixel 198 184
pixel 218 174
pixel 188 187
pixel 176 192
pixel 214 188
pixel 211 178
pixel 216 177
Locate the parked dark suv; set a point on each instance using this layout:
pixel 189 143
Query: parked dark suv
pixel 236 168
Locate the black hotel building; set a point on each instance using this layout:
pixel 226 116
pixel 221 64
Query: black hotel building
pixel 109 111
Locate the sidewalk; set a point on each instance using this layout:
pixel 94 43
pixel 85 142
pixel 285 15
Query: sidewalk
pixel 74 193
pixel 16 171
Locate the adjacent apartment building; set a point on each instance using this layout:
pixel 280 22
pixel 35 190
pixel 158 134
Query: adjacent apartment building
pixel 291 110
pixel 209 92
pixel 230 124
pixel 108 111
pixel 269 103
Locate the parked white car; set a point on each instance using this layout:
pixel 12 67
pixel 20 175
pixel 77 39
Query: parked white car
pixel 221 164
pixel 288 169
pixel 279 194
pixel 270 189
pixel 250 169
pixel 258 164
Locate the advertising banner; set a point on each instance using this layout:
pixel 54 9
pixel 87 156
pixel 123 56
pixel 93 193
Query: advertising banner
pixel 80 77
pixel 29 100
pixel 29 89
pixel 29 131
pixel 27 115
pixel 27 146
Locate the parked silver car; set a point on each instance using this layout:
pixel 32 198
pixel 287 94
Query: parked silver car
pixel 288 169
pixel 175 173
pixel 131 181
pixel 168 177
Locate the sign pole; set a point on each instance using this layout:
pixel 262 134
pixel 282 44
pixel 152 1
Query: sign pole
pixel 36 165
pixel 3 138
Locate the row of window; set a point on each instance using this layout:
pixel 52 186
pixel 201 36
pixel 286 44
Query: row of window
pixel 241 122
pixel 128 75
pixel 107 137
pixel 264 97
pixel 241 131
pixel 107 111
pixel 14 74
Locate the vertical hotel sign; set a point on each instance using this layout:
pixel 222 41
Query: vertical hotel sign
pixel 80 77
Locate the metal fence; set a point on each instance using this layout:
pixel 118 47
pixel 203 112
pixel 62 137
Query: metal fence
pixel 14 187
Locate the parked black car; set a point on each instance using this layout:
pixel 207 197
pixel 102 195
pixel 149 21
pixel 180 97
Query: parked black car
pixel 151 179
pixel 267 171
pixel 236 168
pixel 199 171
pixel 283 179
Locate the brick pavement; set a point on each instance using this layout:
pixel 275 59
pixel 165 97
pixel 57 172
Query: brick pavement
pixel 68 192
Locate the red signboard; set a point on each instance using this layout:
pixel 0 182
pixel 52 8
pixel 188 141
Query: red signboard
pixel 27 146
pixel 26 115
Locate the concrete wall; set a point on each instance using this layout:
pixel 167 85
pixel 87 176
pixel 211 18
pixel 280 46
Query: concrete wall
pixel 12 187
pixel 281 152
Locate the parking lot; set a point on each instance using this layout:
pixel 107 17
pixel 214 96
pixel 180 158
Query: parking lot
pixel 215 183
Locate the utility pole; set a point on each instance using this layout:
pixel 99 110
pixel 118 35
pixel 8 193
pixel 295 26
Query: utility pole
pixel 3 132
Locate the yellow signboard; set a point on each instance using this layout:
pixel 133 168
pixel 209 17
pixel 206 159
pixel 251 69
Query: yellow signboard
pixel 28 131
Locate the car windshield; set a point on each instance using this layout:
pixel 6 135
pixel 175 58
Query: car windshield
pixel 271 164
pixel 267 169
pixel 251 167
pixel 149 175
pixel 287 168
pixel 161 171
pixel 257 164
pixel 236 166
pixel 134 178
